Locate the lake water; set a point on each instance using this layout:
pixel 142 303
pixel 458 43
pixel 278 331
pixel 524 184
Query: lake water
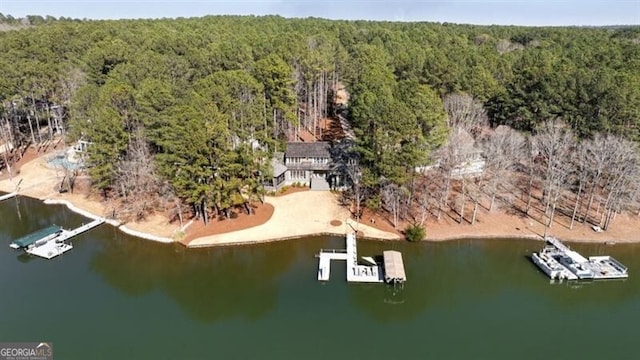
pixel 118 297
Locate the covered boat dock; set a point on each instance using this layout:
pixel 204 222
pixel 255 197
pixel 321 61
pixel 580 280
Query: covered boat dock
pixel 42 235
pixel 393 267
pixel 390 271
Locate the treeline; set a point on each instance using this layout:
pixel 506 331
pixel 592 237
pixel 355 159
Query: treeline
pixel 190 110
pixel 551 176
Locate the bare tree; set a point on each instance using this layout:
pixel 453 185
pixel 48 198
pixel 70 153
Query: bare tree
pixel 429 188
pixel 136 181
pixel 502 150
pixel 622 173
pixel 532 165
pixel 554 141
pixel 7 146
pixel 393 197
pixel 452 159
pixel 579 172
pixel 463 111
pixel 423 206
pixel 348 167
pixel 599 154
pixel 474 191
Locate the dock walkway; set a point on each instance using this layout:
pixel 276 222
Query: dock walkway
pixel 68 234
pixel 8 196
pixel 50 245
pixel 355 271
pixel 324 267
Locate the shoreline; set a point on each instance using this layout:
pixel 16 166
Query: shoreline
pixel 199 245
pixel 112 222
pixel 305 214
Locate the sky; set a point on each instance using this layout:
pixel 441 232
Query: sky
pixel 482 12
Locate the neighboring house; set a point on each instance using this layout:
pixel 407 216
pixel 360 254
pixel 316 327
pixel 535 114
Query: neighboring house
pixel 304 163
pixel 467 157
pixel 460 154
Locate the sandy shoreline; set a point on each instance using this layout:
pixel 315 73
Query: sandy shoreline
pixel 309 213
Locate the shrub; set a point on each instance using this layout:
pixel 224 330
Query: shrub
pixel 414 233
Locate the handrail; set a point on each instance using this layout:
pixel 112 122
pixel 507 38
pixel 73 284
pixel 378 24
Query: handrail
pixel 334 251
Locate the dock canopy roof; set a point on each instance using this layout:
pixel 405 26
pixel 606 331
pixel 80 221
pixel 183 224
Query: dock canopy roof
pixel 393 267
pixel 27 240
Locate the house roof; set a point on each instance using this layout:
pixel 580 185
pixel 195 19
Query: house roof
pixel 318 149
pixel 278 167
pixel 464 142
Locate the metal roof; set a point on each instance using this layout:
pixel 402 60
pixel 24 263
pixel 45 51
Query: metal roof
pixel 27 240
pixel 278 168
pixel 393 266
pixel 318 149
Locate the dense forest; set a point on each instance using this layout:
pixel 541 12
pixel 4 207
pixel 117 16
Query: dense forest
pixel 188 112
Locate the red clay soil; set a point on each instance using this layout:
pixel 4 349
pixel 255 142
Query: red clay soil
pixel 291 190
pixel 29 155
pixel 379 221
pixel 221 225
pixel 332 130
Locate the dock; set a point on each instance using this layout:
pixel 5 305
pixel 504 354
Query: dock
pixel 68 234
pixel 356 272
pixel 51 241
pixel 37 237
pixel 324 266
pixel 50 249
pixel 8 196
pixel 393 267
pixel 559 262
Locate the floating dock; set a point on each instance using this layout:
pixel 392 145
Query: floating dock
pixel 50 249
pixel 559 262
pixel 8 196
pixel 50 242
pixel 356 272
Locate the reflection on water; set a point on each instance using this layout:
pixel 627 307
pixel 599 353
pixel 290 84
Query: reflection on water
pixel 210 284
pixel 114 296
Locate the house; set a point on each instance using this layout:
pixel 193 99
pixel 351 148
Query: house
pixel 305 163
pixel 467 157
pixel 460 155
pixel 279 172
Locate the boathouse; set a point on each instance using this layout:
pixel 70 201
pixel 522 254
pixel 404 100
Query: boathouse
pixel 393 267
pixel 45 234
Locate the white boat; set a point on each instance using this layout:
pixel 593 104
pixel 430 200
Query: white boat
pixel 550 266
pixel 559 262
pixel 579 269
